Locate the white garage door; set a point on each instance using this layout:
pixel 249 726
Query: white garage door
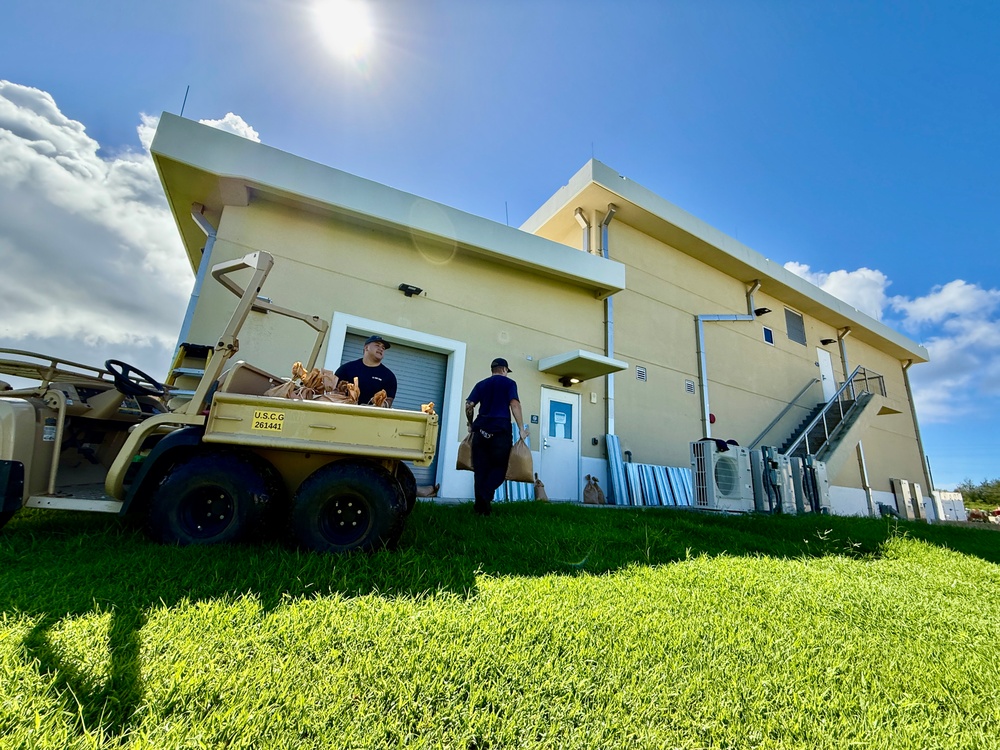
pixel 419 379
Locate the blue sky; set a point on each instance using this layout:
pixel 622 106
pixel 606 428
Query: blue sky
pixel 858 141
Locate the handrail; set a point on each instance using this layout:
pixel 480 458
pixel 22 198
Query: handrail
pixel 784 411
pixel 848 386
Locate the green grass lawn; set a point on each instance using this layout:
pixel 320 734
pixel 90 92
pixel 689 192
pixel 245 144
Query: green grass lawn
pixel 543 626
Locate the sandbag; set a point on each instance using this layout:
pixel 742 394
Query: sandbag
pixel 519 467
pixel 540 494
pixel 464 462
pixel 592 493
pixel 285 390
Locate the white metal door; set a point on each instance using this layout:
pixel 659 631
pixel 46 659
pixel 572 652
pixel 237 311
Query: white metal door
pixel 559 446
pixel 825 362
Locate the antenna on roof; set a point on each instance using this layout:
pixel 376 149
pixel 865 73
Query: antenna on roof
pixel 184 103
pixel 506 214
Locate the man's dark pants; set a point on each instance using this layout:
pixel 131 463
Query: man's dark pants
pixel 490 454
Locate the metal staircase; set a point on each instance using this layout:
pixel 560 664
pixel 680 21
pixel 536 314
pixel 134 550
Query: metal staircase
pixel 829 425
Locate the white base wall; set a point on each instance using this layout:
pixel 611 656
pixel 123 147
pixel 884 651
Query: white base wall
pixel 849 501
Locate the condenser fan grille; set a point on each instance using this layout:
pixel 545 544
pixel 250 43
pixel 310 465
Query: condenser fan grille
pixel 726 475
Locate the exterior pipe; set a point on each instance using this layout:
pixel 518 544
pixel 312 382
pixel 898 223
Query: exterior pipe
pixel 916 429
pixel 842 334
pixel 585 225
pixel 210 232
pixel 609 325
pixel 700 320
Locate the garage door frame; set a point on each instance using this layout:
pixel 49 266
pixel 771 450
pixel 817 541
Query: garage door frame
pixel 344 323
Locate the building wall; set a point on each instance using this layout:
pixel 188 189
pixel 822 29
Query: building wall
pixel 750 381
pixel 323 265
pixel 326 265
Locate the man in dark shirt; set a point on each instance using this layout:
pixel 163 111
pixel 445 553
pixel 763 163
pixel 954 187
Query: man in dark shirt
pixel 372 375
pixel 492 436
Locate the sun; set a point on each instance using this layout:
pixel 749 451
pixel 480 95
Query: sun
pixel 344 26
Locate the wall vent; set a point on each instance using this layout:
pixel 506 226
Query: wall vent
pixel 689 386
pixel 796 327
pixel 640 373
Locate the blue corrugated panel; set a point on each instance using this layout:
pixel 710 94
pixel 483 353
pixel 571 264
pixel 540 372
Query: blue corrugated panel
pixel 618 495
pixel 663 486
pixel 680 484
pixel 514 492
pixel 633 485
pixel 649 494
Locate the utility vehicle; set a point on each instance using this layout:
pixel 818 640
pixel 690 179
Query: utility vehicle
pixel 229 463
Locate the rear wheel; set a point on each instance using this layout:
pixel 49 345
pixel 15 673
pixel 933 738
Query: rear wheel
pixel 5 516
pixel 408 483
pixel 346 505
pixel 213 497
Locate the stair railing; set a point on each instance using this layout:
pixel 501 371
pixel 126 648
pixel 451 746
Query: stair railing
pixel 784 411
pixel 860 381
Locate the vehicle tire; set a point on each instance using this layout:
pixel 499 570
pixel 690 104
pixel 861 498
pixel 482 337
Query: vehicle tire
pixel 5 516
pixel 210 497
pixel 408 484
pixel 347 505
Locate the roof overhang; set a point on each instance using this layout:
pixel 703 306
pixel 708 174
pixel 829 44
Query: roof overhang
pixel 596 185
pixel 198 164
pixel 580 365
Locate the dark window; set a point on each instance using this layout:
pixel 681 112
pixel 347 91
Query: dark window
pixel 768 335
pixel 796 327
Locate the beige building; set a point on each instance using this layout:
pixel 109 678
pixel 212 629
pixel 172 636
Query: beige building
pixel 618 312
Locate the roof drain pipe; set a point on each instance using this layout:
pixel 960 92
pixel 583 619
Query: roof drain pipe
pixel 700 320
pixel 585 226
pixel 842 334
pixel 198 214
pixel 609 325
pixel 920 442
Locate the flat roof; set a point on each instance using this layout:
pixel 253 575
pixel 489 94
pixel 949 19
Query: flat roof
pixel 596 185
pixel 201 164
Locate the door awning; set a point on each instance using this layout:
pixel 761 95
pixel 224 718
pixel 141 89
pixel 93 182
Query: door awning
pixel 580 365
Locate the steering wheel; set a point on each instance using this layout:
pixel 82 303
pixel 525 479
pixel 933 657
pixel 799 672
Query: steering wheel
pixel 121 371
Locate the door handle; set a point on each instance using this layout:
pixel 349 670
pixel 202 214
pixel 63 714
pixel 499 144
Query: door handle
pixel 545 443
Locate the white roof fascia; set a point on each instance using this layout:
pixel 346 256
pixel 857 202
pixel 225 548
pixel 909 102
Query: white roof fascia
pixel 270 170
pixel 762 268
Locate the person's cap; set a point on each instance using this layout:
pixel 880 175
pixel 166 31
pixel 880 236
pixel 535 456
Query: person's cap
pixel 377 339
pixel 500 362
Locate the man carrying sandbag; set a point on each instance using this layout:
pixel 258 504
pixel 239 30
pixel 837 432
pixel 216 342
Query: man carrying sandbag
pixel 492 436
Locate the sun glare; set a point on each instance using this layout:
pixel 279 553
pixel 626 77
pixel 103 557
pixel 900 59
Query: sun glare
pixel 345 26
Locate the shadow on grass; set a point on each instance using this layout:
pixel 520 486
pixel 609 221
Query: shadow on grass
pixel 55 565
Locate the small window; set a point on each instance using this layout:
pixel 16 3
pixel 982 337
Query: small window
pixel 640 373
pixel 795 326
pixel 768 336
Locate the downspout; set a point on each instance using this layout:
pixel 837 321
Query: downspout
pixel 609 325
pixel 585 226
pixel 197 213
pixel 700 320
pixel 842 334
pixel 916 429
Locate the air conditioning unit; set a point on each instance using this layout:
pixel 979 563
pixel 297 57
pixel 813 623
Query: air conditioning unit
pixel 765 499
pixel 786 484
pixel 904 498
pixel 722 479
pixel 802 486
pixel 821 481
pixel 774 488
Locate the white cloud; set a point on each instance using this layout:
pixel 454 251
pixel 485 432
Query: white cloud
pixel 957 323
pixel 234 124
pixel 956 298
pixel 93 265
pixel 864 289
